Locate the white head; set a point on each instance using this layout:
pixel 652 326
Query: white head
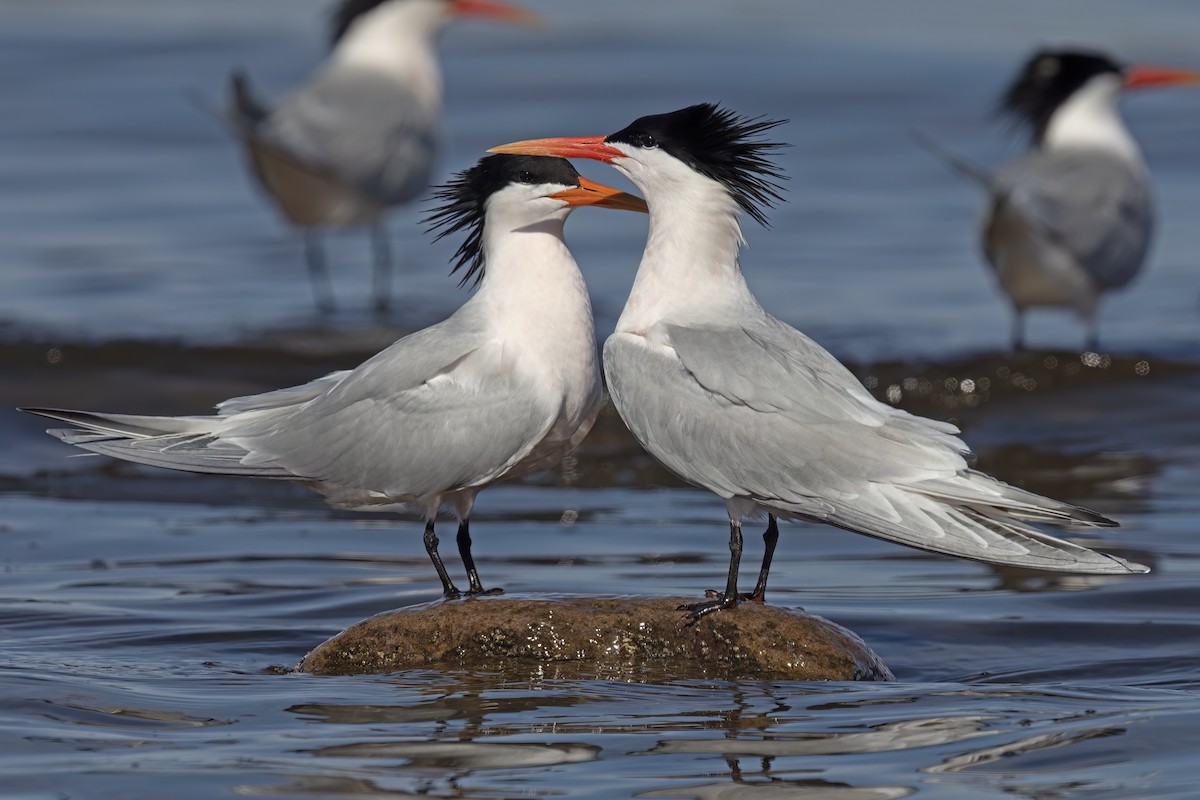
pixel 505 194
pixel 702 160
pixel 382 30
pixel 1070 98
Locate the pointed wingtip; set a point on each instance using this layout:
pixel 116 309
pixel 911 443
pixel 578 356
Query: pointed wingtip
pixel 1130 566
pixel 962 166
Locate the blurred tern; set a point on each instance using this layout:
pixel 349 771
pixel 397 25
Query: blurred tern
pixel 508 384
pixel 734 401
pixel 1073 218
pixel 363 133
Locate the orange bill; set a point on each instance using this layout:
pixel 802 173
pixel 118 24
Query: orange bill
pixel 592 147
pixel 1147 77
pixel 590 193
pixel 494 10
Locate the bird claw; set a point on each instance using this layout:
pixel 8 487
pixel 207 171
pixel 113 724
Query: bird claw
pixel 697 611
pixel 495 590
pixel 742 596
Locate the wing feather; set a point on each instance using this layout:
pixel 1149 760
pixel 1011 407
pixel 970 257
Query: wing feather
pixel 1095 206
pixel 760 411
pixel 360 128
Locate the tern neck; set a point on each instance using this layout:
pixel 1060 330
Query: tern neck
pixel 1091 119
pixel 690 263
pixel 530 274
pixel 393 43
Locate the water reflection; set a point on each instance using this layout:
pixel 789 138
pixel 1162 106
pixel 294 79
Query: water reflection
pixel 464 756
pixel 902 735
pixel 1030 744
pixel 781 789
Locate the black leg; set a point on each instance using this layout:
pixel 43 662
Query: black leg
pixel 464 550
pixel 1093 335
pixel 449 590
pixel 729 598
pixel 1018 330
pixel 382 250
pixel 318 276
pixel 770 539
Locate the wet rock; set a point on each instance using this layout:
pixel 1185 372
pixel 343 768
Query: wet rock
pixel 632 638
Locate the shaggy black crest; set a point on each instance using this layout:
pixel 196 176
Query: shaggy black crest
pixel 720 144
pixel 465 199
pixel 346 13
pixel 1048 78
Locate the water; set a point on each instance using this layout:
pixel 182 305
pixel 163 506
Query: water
pixel 148 619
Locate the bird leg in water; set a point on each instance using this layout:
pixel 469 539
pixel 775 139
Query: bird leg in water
pixel 382 251
pixel 464 550
pixel 318 276
pixel 449 590
pixel 1018 330
pixel 1093 334
pixel 770 539
pixel 729 598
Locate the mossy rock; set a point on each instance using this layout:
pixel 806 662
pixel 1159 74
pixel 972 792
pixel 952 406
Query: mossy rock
pixel 623 637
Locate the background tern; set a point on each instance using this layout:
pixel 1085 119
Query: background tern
pixel 508 384
pixel 734 401
pixel 362 134
pixel 1073 218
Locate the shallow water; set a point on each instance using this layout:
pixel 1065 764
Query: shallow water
pixel 149 619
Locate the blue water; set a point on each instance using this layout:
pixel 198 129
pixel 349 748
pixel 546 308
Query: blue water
pixel 143 614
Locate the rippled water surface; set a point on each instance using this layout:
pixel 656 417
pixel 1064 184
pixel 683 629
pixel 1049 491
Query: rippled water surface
pixel 149 620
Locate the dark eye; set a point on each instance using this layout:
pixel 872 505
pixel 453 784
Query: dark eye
pixel 646 140
pixel 525 176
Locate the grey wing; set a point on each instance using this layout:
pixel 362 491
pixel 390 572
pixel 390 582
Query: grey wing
pixel 766 414
pixel 419 418
pixel 432 412
pixel 367 131
pixel 741 416
pixel 181 443
pixel 282 398
pixel 1097 207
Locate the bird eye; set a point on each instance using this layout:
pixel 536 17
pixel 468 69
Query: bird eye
pixel 647 141
pixel 525 176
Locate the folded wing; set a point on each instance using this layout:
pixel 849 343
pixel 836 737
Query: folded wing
pixel 760 411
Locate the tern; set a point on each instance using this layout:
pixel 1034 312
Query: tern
pixel 1073 218
pixel 362 134
pixel 508 384
pixel 734 401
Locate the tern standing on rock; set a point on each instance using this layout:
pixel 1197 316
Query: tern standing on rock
pixel 734 401
pixel 1073 218
pixel 362 134
pixel 507 385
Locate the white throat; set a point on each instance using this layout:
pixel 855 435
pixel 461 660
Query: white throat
pixel 528 266
pixel 1091 119
pixel 397 40
pixel 690 264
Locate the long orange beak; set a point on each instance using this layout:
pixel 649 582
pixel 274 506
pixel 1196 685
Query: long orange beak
pixel 494 10
pixel 590 193
pixel 592 147
pixel 1147 77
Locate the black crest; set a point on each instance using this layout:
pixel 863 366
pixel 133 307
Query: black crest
pixel 720 144
pixel 346 12
pixel 465 199
pixel 1048 78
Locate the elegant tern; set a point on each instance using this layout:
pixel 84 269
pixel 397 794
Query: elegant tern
pixel 362 134
pixel 508 384
pixel 1074 217
pixel 734 401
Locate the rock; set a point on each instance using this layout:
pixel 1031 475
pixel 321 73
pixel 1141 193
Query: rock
pixel 622 637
